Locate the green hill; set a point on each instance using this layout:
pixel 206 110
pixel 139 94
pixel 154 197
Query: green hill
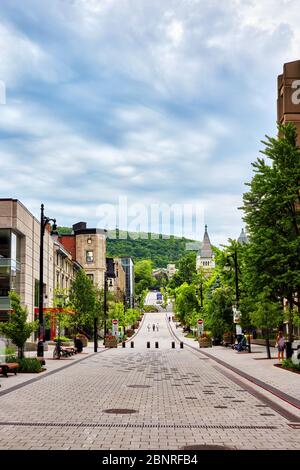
pixel 144 246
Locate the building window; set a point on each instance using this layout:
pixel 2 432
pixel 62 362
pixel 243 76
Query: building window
pixel 89 256
pixel 36 293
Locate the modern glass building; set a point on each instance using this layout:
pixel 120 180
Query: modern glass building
pixel 10 268
pixel 128 268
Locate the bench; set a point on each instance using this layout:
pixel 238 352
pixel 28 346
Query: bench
pixel 9 367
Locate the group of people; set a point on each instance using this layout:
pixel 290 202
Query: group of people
pixel 242 344
pixel 155 327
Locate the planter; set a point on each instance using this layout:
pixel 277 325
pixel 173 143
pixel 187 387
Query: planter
pixel 111 342
pixel 205 342
pixel 83 339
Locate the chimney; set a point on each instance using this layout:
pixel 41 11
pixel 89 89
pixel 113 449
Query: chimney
pixel 79 226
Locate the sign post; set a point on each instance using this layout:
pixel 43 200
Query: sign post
pixel 200 327
pixel 115 328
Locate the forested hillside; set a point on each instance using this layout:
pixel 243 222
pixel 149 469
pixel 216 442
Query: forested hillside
pixel 160 251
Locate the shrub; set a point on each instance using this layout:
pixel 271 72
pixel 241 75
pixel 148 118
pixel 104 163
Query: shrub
pixel 288 364
pixel 64 339
pixel 29 365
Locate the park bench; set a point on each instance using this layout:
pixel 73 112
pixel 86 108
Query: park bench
pixel 8 367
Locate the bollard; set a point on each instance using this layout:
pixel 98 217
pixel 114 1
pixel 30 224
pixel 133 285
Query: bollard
pixel 123 344
pixel 132 344
pixel 148 344
pixel 181 345
pixel 156 344
pixel 173 344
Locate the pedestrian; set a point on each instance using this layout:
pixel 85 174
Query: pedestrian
pixel 156 326
pixel 153 327
pixel 149 327
pixel 169 319
pixel 280 344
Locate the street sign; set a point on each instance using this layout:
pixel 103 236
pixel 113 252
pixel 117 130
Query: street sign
pixel 115 328
pixel 200 327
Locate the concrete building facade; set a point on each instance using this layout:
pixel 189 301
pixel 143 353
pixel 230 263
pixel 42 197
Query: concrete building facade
pixel 19 258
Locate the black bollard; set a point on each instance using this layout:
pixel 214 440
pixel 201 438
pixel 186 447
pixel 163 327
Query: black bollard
pixel 148 344
pixel 181 345
pixel 132 344
pixel 173 344
pixel 156 344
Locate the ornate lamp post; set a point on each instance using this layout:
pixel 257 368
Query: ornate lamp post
pixel 109 274
pixel 61 304
pixel 41 332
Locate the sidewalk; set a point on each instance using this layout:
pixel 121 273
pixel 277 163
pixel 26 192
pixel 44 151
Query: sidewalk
pixel 52 365
pixel 255 364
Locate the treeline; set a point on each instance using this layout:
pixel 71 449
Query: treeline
pixel 160 251
pixel 258 280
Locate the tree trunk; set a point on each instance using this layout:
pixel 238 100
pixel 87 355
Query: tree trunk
pixel 290 317
pixel 20 352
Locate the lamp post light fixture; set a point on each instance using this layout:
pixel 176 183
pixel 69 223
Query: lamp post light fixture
pixel 41 331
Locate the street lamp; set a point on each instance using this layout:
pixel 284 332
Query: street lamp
pixel 41 332
pixel 60 304
pixel 236 313
pixel 108 274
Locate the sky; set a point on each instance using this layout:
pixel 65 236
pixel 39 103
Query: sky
pixel 154 102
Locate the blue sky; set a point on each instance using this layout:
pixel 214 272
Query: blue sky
pixel 160 101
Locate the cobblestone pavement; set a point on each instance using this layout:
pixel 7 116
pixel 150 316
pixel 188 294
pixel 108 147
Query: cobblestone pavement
pixel 255 364
pixel 177 398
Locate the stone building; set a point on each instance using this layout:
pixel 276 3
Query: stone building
pixel 288 101
pixel 205 257
pixel 88 247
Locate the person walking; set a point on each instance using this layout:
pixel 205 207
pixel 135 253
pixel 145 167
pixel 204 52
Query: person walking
pixel 148 327
pixel 153 327
pixel 157 327
pixel 280 342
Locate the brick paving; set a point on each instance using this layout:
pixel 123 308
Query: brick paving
pixel 255 364
pixel 181 400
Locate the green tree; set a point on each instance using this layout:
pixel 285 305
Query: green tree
pixel 17 328
pixel 271 208
pixel 186 271
pixel 83 298
pixel 266 315
pixel 143 276
pixel 186 303
pixel 219 312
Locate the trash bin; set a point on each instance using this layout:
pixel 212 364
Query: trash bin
pixel 78 344
pixel 288 349
pixel 40 349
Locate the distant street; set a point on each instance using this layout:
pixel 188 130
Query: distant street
pixel 174 398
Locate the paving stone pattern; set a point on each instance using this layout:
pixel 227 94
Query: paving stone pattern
pixel 178 401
